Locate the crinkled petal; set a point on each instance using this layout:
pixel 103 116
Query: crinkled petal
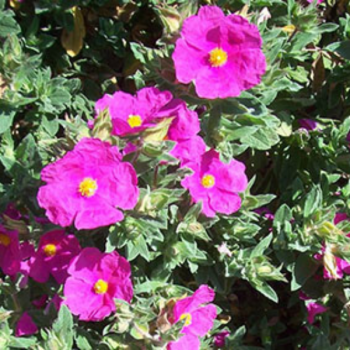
pixel 186 342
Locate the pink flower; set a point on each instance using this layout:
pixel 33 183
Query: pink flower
pixel 133 114
pixel 307 124
pixel 187 150
pixel 55 252
pixel 216 184
pixel 25 325
pixel 223 250
pixel 219 339
pixel 221 55
pixel 88 185
pixel 199 319
pixel 10 259
pixel 266 212
pixel 318 1
pixel 95 280
pixel 40 302
pixel 314 309
pixel 185 123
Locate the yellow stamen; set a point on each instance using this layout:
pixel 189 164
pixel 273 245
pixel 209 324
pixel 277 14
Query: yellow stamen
pixel 5 240
pixel 88 187
pixel 134 121
pixel 217 57
pixel 208 181
pixel 187 317
pixel 50 250
pixel 100 287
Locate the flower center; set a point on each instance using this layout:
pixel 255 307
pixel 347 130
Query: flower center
pixel 88 187
pixel 208 181
pixel 50 250
pixel 100 287
pixel 187 317
pixel 4 240
pixel 217 57
pixel 134 121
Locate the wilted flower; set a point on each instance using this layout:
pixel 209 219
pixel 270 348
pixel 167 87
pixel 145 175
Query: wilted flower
pixel 198 318
pixel 221 54
pixel 95 280
pixel 88 186
pixel 307 124
pixel 55 252
pixel 333 266
pixel 219 339
pixel 10 259
pixel 25 325
pixel 216 184
pixel 314 309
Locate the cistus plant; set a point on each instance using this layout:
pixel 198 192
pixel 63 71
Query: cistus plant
pixel 174 174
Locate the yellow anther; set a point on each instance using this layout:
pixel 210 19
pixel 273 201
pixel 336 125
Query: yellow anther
pixel 134 121
pixel 88 187
pixel 208 181
pixel 100 287
pixel 187 317
pixel 217 57
pixel 5 240
pixel 50 250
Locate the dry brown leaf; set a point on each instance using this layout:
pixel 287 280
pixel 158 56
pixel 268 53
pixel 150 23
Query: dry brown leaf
pixel 318 73
pixel 73 41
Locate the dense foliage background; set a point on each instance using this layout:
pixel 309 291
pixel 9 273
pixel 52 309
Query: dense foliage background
pixel 57 58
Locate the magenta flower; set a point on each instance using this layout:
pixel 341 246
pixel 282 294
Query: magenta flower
pixel 25 325
pixel 133 114
pixel 266 212
pixel 190 149
pixel 216 184
pixel 55 252
pixel 10 259
pixel 95 280
pixel 219 339
pixel 198 318
pixel 314 309
pixel 318 1
pixel 221 55
pixel 88 186
pixel 307 124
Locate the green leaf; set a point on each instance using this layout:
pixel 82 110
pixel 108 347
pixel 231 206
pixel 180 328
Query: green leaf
pixel 7 113
pixel 313 202
pixel 8 24
pixel 266 290
pixel 262 246
pixel 262 139
pixel 63 327
pixel 342 48
pixel 304 268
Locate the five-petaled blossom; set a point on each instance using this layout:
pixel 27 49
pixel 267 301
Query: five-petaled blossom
pixel 95 280
pixel 55 252
pixel 10 258
pixel 133 114
pixel 216 184
pixel 198 318
pixel 88 186
pixel 221 54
